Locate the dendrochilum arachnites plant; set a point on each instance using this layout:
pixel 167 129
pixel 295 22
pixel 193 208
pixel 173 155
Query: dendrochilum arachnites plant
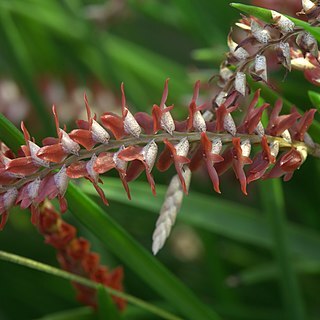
pixel 214 134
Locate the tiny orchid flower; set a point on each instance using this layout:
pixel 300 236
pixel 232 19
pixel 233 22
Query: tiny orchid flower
pixel 282 22
pixel 177 154
pixel 145 156
pixel 57 152
pixel 195 119
pixel 162 118
pixel 241 152
pixel 211 155
pixel 278 124
pixel 224 119
pixel 121 126
pixel 90 132
pixel 262 161
pixel 252 120
pixel 109 160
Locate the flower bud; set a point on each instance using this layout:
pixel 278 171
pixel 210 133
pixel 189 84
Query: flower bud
pixel 238 53
pixel 131 125
pixel 182 148
pixel 274 148
pixel 283 23
pixel 89 166
pixel 99 134
pixel 68 145
pixel 61 180
pixel 245 148
pixel 262 35
pixel 261 67
pixel 216 146
pixel 240 83
pixel 149 153
pixel 198 122
pixel 229 124
pixel 285 55
pixel 167 123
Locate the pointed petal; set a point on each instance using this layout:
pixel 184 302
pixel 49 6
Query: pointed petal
pixel 114 123
pixel 77 170
pixel 83 137
pixel 52 153
pixel 104 162
pixel 145 121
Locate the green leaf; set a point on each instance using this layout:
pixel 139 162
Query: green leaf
pixel 106 308
pixel 265 15
pixel 148 268
pixel 32 264
pixel 315 99
pixel 227 218
pixel 270 271
pixel 10 135
pixel 273 202
pixel 83 313
pixel 18 57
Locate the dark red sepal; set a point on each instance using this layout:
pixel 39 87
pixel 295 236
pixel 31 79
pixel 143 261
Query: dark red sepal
pixel 24 166
pixel 238 163
pixel 114 123
pixel 83 137
pixel 261 162
pixel 210 160
pixel 53 153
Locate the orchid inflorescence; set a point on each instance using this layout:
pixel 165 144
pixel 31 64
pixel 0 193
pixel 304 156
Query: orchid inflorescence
pixel 129 142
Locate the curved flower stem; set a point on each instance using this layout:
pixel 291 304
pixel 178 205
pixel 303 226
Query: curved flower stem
pixel 274 207
pixel 29 263
pixel 158 138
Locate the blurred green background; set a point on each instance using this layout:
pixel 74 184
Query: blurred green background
pixel 231 250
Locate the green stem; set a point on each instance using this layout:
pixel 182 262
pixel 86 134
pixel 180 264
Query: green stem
pixel 29 263
pixel 274 207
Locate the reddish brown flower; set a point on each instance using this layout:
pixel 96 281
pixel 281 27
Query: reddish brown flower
pixel 178 155
pixel 58 151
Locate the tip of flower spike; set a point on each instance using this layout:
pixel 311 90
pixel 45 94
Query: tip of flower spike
pixel 85 98
pixel 123 101
pixel 196 91
pixel 165 94
pixel 56 120
pixel 25 132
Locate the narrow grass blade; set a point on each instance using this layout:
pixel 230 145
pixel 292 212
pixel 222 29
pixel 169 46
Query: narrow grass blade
pixel 270 271
pixel 18 56
pixel 315 99
pixel 273 204
pixel 227 218
pixel 10 135
pixel 83 313
pixel 148 268
pixel 106 308
pixel 29 263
